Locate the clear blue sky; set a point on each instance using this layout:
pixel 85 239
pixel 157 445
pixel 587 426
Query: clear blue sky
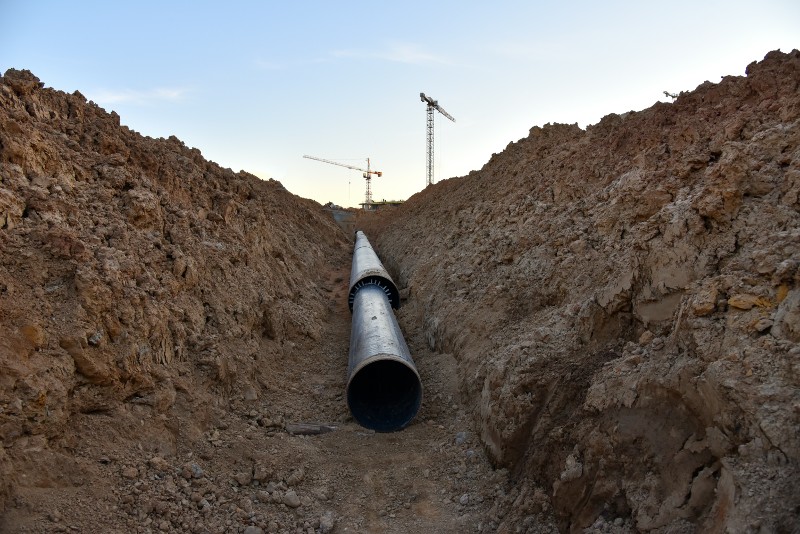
pixel 256 85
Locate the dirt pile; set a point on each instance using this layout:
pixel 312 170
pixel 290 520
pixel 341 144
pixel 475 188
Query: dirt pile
pixel 140 282
pixel 170 333
pixel 623 304
pixel 612 314
pixel 123 255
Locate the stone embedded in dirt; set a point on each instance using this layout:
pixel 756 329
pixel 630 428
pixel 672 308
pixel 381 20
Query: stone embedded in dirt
pixel 291 499
pixel 95 339
pixel 573 469
pixel 246 504
pixel 158 463
pixel 309 429
pixel 130 473
pixel 657 343
pixel 763 324
pixel 243 478
pixel 646 337
pixel 186 472
pixel 705 302
pixel 262 472
pixel 322 494
pixel 250 394
pixel 88 362
pixel 295 477
pixel 197 471
pixel 746 301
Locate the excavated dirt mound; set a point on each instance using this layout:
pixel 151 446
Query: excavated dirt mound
pixel 170 334
pixel 623 304
pixel 606 323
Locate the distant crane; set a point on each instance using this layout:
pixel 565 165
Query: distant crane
pixel 432 104
pixel 367 176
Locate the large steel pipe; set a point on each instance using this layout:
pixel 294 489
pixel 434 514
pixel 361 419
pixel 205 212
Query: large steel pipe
pixel 384 391
pixel 367 269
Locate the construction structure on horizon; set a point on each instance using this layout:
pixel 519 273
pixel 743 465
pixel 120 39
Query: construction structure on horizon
pixel 432 105
pixel 367 204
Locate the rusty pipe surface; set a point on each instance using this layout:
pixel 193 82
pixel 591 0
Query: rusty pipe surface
pixel 368 269
pixel 384 391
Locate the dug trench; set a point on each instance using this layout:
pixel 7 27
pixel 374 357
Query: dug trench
pixel 173 349
pixel 605 323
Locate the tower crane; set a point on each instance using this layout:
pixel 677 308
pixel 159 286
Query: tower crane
pixel 432 105
pixel 367 176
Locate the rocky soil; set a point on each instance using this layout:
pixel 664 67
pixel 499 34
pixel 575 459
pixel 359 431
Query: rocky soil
pixel 623 306
pixel 606 322
pixel 167 325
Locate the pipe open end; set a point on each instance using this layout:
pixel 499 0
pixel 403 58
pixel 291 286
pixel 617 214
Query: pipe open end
pixel 384 395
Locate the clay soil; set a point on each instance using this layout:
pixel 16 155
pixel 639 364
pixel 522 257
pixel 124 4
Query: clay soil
pixel 606 323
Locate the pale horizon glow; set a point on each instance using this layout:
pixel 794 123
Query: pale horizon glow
pixel 108 97
pixel 256 85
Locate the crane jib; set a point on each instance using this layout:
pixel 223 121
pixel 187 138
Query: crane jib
pixel 367 176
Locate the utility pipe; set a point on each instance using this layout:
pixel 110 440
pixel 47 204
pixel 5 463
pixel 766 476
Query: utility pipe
pixel 384 391
pixel 368 269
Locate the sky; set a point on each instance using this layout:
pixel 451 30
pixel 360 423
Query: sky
pixel 256 85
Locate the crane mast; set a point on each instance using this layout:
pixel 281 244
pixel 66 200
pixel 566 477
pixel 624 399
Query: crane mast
pixel 367 176
pixel 432 105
